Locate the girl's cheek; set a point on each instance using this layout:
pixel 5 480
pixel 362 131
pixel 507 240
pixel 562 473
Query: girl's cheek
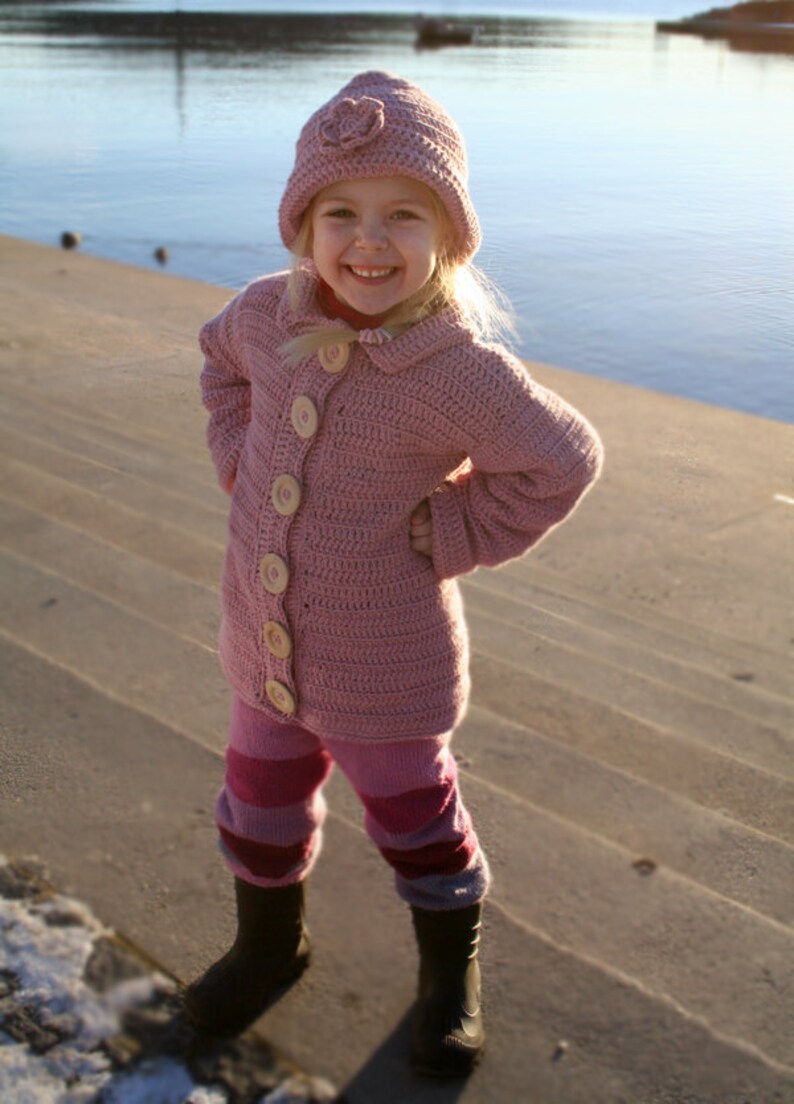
pixel 337 233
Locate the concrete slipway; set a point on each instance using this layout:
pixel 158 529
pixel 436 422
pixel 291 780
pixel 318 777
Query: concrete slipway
pixel 632 701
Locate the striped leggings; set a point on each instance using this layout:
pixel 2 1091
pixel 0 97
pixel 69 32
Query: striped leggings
pixel 271 809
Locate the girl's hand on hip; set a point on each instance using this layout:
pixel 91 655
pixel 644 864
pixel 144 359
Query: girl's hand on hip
pixel 422 529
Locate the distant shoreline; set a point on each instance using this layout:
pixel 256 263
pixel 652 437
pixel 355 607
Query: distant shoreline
pixel 756 18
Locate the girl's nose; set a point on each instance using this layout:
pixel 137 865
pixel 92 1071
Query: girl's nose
pixel 371 234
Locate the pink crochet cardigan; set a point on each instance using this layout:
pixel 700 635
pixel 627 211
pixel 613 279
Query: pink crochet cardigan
pixel 329 616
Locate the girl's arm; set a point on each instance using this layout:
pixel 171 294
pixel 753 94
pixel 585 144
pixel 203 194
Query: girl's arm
pixel 225 392
pixel 523 480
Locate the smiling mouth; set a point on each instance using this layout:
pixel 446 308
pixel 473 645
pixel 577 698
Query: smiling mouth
pixel 371 273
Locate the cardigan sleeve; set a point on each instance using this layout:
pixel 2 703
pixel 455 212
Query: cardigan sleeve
pixel 530 463
pixel 225 391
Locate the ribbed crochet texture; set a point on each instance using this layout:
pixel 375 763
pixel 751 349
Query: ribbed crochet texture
pixel 382 125
pixel 378 640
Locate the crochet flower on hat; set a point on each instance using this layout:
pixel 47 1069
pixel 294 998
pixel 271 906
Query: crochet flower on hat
pixel 352 123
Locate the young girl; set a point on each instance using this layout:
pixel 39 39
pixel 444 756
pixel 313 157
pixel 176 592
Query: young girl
pixel 375 448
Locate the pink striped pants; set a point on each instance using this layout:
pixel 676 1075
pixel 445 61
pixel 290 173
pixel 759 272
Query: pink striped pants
pixel 271 809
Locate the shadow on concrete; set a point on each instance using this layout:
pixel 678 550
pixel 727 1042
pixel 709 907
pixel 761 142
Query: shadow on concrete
pixel 387 1078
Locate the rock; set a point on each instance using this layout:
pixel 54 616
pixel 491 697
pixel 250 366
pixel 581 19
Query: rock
pixel 122 1050
pixel 560 1050
pixel 9 983
pixel 644 866
pixel 159 1027
pixel 70 239
pixel 108 964
pixel 68 915
pixel 16 883
pixel 21 1024
pixel 245 1068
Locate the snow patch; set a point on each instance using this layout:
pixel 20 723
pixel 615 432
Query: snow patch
pixel 84 1021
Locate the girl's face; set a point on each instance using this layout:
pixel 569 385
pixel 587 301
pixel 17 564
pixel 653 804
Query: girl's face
pixel 375 241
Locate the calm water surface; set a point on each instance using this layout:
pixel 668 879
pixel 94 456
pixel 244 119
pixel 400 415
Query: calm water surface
pixel 634 188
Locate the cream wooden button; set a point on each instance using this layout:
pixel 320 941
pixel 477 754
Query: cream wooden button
pixel 333 358
pixel 285 494
pixel 305 418
pixel 280 696
pixel 273 573
pixel 277 639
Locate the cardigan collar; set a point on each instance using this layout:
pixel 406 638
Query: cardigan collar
pixel 441 331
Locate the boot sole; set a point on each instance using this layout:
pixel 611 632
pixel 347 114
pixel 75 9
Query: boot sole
pixel 458 1064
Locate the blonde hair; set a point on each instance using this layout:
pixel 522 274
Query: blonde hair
pixel 453 283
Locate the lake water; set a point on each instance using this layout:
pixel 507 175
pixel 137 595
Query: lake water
pixel 635 188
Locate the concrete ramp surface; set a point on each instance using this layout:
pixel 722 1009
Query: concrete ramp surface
pixel 628 756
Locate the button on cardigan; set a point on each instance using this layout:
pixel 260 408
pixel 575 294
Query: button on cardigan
pixel 378 646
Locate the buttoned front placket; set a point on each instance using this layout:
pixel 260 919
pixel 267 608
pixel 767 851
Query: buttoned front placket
pixel 313 380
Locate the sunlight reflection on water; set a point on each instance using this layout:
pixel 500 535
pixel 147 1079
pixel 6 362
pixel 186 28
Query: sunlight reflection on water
pixel 632 186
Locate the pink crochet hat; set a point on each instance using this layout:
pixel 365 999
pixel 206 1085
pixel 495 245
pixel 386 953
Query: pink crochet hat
pixel 382 125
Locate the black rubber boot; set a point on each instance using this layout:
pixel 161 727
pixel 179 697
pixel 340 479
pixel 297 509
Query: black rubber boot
pixel 448 1035
pixel 271 949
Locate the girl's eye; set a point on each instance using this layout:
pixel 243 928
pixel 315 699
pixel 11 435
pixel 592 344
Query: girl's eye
pixel 339 212
pixel 405 215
